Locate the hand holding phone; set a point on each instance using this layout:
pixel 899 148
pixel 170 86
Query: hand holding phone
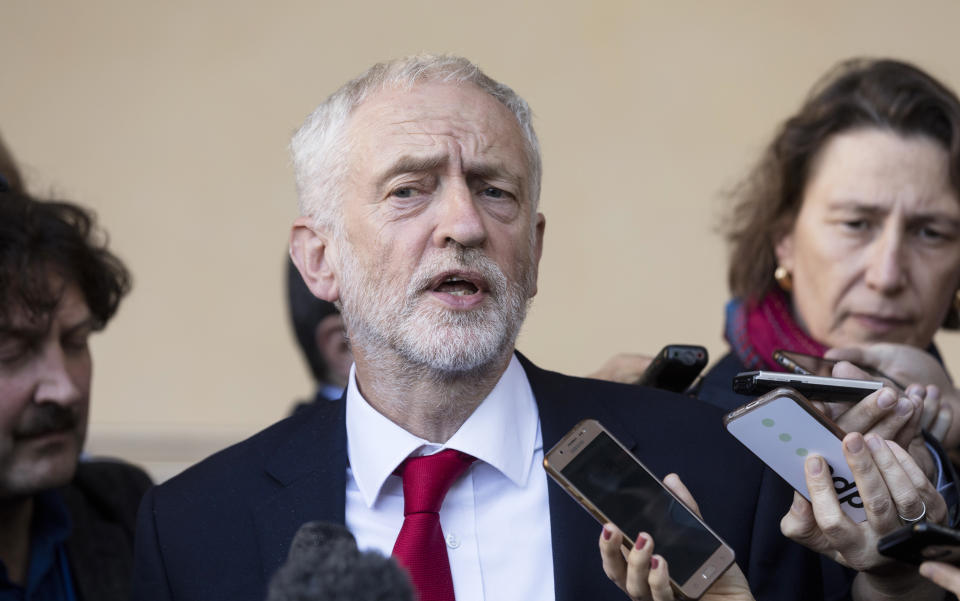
pixel 811 365
pixel 613 486
pixel 782 429
pixel 644 574
pixel 883 472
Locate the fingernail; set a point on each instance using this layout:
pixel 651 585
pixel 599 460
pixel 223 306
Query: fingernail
pixel 904 406
pixel 654 562
pixel 606 533
pixel 641 541
pixel 855 444
pixel 886 399
pixel 874 442
pixel 915 391
pixel 814 465
pixel 797 505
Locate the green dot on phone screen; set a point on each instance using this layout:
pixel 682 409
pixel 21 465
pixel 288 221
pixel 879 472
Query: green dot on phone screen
pixel 786 437
pixel 802 452
pixel 768 422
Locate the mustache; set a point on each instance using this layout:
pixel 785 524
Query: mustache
pixel 47 418
pixel 463 259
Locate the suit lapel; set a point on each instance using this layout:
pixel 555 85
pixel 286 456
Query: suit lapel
pixel 310 471
pixel 573 531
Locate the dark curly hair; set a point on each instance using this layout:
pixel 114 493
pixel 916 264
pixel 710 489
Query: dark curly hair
pixel 40 239
pixel 887 94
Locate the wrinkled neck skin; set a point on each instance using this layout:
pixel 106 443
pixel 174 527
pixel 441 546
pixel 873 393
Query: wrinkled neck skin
pixel 429 404
pixel 15 517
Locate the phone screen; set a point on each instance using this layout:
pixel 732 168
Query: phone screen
pixel 636 502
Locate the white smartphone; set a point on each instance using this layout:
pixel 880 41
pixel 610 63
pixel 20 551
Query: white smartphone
pixel 611 484
pixel 782 428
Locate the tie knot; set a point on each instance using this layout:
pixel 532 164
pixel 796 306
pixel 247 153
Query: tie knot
pixel 427 479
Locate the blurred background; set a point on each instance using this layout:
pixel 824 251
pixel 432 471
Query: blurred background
pixel 171 120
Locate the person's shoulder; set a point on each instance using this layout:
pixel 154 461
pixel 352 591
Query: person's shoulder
pixel 109 474
pixel 299 438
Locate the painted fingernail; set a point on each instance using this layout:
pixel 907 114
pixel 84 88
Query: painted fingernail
pixel 814 465
pixel 886 399
pixel 874 442
pixel 855 444
pixel 641 541
pixel 606 533
pixel 904 406
pixel 654 563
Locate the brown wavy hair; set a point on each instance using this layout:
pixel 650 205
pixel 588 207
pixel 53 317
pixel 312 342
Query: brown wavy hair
pixel 882 93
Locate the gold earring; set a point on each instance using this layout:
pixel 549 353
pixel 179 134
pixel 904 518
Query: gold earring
pixel 785 281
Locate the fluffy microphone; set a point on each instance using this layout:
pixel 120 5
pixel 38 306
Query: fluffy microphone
pixel 324 564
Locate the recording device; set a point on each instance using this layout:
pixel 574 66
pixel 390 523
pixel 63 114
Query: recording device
pixel 610 483
pixel 783 428
pixel 675 367
pixel 811 365
pixel 324 564
pixel 815 387
pixel 922 541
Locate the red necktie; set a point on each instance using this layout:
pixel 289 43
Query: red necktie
pixel 420 546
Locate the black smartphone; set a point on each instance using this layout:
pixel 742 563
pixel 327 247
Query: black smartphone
pixel 675 367
pixel 923 541
pixel 817 388
pixel 610 483
pixel 811 365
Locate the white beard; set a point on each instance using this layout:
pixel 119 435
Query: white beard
pixel 381 319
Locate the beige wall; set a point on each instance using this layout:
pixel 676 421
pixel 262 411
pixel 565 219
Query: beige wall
pixel 171 120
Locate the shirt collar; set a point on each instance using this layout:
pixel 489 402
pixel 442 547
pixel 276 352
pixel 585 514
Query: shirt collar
pixel 503 432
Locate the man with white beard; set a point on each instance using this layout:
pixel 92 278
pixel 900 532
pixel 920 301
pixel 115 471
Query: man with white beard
pixel 419 184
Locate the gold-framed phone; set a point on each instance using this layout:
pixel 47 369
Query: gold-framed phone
pixel 614 486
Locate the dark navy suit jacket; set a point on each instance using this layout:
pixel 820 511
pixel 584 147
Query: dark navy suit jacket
pixel 219 530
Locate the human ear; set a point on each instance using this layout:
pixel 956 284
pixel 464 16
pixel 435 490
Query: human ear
pixel 313 254
pixel 784 249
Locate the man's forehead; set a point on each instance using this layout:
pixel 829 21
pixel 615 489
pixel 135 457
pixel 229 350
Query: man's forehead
pixel 397 122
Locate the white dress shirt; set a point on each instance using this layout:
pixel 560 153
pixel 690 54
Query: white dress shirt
pixel 496 518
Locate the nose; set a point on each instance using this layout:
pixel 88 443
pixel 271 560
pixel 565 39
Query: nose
pixel 886 270
pixel 459 219
pixel 56 382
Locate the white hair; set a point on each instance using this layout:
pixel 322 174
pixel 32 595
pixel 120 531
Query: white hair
pixel 320 147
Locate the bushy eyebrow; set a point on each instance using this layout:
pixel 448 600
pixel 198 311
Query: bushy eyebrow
pixel 426 164
pixel 411 164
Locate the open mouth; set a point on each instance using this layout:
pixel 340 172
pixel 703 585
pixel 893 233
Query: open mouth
pixel 459 284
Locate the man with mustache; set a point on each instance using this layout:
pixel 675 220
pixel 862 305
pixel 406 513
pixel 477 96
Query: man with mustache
pixel 66 530
pixel 419 184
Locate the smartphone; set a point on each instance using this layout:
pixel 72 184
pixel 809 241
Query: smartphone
pixel 611 484
pixel 923 541
pixel 782 428
pixel 675 367
pixel 811 365
pixel 815 387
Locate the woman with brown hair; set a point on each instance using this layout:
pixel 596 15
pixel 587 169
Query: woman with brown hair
pixel 847 232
